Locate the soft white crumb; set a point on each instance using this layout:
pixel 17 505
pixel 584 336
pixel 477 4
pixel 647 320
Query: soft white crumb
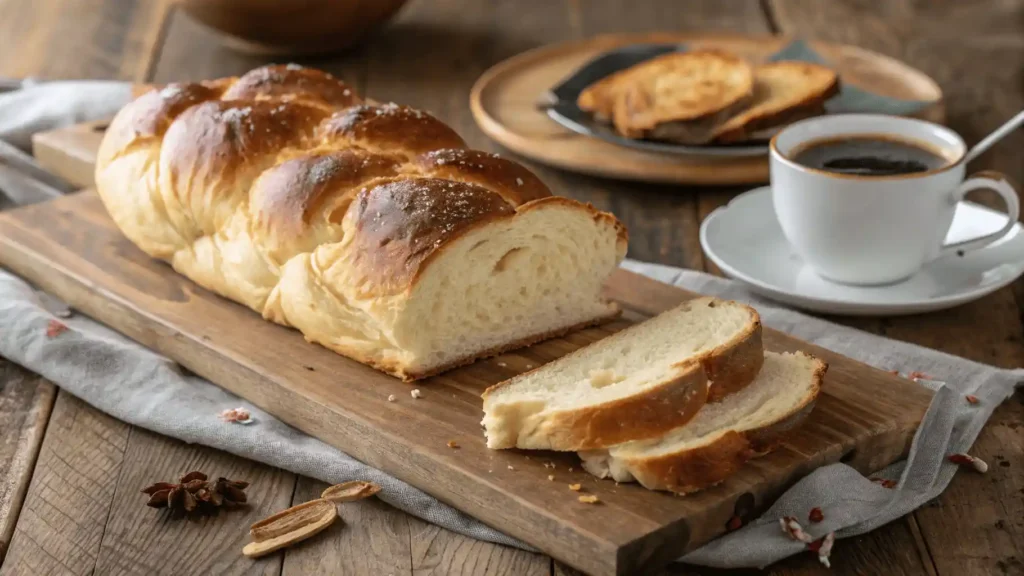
pixel 510 467
pixel 391 398
pixel 415 393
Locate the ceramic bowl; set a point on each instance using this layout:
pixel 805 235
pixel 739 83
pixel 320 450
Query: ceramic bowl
pixel 285 27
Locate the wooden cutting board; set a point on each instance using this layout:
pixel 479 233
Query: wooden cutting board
pixel 72 249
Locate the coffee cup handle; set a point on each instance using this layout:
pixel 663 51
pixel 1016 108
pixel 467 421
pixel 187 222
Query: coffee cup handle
pixel 987 179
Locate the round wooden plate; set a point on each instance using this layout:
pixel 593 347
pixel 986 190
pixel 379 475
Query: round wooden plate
pixel 507 102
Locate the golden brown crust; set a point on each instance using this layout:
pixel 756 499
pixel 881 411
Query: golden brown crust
pixel 512 180
pixel 287 82
pixel 730 367
pixel 286 196
pixel 401 224
pixel 389 128
pixel 659 409
pixel 712 463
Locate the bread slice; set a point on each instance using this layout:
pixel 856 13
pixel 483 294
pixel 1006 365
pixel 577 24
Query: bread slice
pixel 784 92
pixel 680 97
pixel 636 384
pixel 722 436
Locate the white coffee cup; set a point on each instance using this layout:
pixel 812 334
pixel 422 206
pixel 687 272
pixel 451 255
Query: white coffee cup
pixel 868 229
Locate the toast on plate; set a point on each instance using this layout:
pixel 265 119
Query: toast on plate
pixel 784 92
pixel 677 97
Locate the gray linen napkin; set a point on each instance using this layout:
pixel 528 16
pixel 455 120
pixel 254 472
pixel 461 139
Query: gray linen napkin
pixel 136 385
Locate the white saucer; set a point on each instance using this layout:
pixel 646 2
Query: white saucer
pixel 745 241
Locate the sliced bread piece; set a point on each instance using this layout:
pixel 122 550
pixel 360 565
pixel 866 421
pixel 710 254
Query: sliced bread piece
pixel 784 92
pixel 681 97
pixel 722 436
pixel 638 383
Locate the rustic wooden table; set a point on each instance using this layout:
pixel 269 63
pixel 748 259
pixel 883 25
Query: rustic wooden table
pixel 70 475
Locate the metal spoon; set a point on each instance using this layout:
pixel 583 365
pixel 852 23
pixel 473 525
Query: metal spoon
pixel 1011 125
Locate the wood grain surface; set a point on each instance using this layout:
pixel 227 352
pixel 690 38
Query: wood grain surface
pixel 25 403
pixel 973 48
pixel 72 249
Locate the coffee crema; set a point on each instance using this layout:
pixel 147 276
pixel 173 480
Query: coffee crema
pixel 868 155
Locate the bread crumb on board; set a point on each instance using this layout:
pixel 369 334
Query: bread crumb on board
pixel 575 487
pixel 589 499
pixel 551 477
pixel 391 398
pixel 415 393
pixel 453 444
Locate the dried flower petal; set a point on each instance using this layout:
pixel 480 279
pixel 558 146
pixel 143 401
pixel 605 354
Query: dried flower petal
pixel 55 328
pixel 816 515
pixel 972 399
pixel 916 375
pixel 734 523
pixel 237 416
pixel 823 547
pixel 793 529
pixel 350 491
pixel 972 461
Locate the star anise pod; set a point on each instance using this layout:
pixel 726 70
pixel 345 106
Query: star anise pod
pixel 195 495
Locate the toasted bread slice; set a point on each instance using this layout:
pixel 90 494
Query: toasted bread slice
pixel 723 436
pixel 673 97
pixel 599 97
pixel 638 383
pixel 784 92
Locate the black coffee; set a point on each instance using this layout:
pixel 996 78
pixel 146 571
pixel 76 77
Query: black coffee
pixel 868 155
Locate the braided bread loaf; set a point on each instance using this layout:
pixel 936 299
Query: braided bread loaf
pixel 371 229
